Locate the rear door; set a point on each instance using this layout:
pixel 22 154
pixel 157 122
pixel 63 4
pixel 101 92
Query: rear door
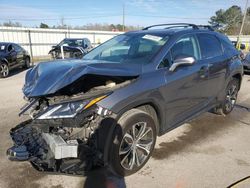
pixel 212 54
pixel 186 86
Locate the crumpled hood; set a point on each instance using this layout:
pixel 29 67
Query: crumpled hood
pixel 48 77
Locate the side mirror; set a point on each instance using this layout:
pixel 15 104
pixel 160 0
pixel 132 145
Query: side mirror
pixel 181 61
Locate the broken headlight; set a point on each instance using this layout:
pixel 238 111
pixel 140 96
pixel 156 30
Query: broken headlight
pixel 67 109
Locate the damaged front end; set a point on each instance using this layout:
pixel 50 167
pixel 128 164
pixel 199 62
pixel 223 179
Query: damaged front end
pixel 56 142
pixel 68 130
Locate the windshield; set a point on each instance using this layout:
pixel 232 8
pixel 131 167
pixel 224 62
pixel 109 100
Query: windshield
pixel 128 48
pixel 3 47
pixel 71 42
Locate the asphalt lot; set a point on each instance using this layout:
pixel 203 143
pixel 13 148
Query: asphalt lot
pixel 211 151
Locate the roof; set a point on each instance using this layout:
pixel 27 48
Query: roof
pixel 174 28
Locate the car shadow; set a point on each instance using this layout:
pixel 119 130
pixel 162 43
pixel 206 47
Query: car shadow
pixel 200 129
pixel 16 71
pixel 103 178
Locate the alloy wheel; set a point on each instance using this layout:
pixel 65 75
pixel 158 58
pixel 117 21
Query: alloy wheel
pixel 136 146
pixel 231 97
pixel 4 70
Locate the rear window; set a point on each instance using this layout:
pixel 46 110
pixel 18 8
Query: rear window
pixel 210 46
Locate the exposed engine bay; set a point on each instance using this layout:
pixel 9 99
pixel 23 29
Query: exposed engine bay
pixel 65 133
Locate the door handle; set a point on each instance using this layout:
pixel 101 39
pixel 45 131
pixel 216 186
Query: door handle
pixel 204 71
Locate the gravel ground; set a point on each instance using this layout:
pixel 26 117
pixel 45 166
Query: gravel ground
pixel 210 151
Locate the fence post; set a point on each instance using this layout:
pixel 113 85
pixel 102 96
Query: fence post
pixel 62 52
pixel 94 39
pixel 30 44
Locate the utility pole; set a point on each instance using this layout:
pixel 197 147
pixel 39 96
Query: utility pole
pixel 123 17
pixel 243 21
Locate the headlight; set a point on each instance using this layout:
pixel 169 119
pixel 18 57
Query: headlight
pixel 68 109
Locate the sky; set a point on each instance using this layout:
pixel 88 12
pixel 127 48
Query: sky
pixel 137 12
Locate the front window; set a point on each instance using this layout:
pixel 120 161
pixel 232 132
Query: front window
pixel 126 48
pixel 186 47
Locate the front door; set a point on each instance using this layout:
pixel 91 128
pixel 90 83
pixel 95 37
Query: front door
pixel 185 87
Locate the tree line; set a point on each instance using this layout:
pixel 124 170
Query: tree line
pixel 229 21
pixel 226 21
pixel 89 26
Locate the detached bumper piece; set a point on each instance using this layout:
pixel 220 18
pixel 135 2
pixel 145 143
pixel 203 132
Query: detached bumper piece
pixel 51 153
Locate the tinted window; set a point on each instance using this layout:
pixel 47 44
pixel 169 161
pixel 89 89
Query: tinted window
pixel 210 46
pixel 185 47
pixel 10 47
pixel 17 48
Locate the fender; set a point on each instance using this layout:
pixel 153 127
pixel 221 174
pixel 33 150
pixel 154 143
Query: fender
pixel 234 69
pixel 4 60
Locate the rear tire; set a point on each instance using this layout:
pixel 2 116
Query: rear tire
pixel 4 70
pixel 229 102
pixel 133 142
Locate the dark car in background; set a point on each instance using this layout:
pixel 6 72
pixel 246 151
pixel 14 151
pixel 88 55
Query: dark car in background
pixel 242 46
pixel 108 108
pixel 11 56
pixel 72 47
pixel 246 63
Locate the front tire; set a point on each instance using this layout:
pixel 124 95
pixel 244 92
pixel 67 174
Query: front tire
pixel 4 70
pixel 133 142
pixel 27 63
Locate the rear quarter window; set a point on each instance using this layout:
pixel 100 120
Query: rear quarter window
pixel 210 46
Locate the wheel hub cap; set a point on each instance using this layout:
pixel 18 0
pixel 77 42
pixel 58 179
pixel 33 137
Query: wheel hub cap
pixel 136 146
pixel 231 97
pixel 4 70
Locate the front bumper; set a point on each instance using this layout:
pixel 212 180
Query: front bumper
pixel 48 154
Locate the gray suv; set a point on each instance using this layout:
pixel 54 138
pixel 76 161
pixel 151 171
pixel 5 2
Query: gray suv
pixel 108 108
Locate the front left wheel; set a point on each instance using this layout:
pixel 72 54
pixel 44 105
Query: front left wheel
pixel 4 70
pixel 133 142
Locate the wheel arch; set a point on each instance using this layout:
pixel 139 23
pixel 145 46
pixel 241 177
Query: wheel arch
pixel 149 104
pixel 4 60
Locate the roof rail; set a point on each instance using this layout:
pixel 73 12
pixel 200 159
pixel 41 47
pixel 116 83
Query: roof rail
pixel 173 25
